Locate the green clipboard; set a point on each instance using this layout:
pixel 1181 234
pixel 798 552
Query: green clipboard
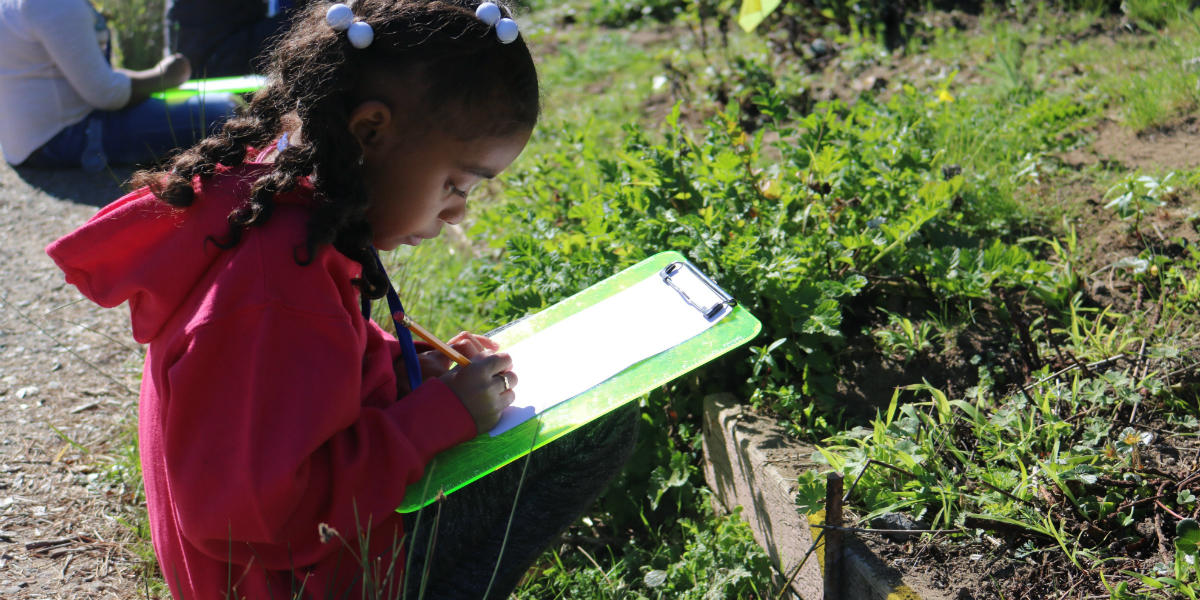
pixel 457 467
pixel 219 85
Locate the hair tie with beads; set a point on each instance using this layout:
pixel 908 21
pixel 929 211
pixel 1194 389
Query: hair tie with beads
pixel 339 17
pixel 506 29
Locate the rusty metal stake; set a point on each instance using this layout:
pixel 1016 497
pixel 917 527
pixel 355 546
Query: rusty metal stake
pixel 833 537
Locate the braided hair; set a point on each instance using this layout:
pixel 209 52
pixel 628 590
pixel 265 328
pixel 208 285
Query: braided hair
pixel 471 86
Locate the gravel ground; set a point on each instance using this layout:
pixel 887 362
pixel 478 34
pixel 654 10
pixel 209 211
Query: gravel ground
pixel 69 372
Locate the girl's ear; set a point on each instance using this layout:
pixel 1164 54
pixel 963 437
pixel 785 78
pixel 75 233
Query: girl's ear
pixel 371 124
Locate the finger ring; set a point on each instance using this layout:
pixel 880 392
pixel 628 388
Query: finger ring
pixel 504 377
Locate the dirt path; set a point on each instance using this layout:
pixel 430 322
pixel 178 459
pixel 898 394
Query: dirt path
pixel 68 394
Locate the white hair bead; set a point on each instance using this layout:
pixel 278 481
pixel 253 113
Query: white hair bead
pixel 506 30
pixel 339 17
pixel 361 34
pixel 489 13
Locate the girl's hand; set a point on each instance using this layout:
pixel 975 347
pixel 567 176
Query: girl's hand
pixel 481 387
pixel 433 364
pixel 436 364
pixel 471 345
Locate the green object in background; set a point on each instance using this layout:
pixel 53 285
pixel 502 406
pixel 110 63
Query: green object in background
pixel 754 12
pixel 459 466
pixel 220 85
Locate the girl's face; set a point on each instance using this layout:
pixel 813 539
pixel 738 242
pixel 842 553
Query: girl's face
pixel 418 183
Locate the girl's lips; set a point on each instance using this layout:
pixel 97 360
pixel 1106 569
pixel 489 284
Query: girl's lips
pixel 417 238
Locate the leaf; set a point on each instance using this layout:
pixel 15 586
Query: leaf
pixel 663 479
pixel 1185 496
pixel 825 320
pixel 969 409
pixel 940 401
pixel 810 493
pixel 1187 533
pixel 655 578
pixel 1147 580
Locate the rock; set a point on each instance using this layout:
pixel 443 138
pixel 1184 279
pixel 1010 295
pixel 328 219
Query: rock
pixel 897 521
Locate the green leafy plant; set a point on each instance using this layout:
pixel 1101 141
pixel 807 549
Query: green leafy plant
pixel 1181 577
pixel 903 338
pixel 838 223
pixel 1137 195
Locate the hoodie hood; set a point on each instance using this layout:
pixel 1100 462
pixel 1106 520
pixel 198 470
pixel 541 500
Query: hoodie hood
pixel 142 250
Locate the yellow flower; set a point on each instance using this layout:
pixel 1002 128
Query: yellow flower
pixel 944 96
pixel 770 188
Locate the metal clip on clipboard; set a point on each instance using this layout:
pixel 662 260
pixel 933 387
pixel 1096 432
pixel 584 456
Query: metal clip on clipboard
pixel 697 289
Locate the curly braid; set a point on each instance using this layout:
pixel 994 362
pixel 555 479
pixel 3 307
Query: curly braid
pixel 471 86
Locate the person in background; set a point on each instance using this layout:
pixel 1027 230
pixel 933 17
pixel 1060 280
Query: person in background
pixel 63 105
pixel 222 38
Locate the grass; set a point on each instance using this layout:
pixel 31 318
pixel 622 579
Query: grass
pixel 124 478
pixel 1021 405
pixel 1037 458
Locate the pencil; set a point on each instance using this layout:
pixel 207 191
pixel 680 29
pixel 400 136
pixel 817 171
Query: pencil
pixel 441 346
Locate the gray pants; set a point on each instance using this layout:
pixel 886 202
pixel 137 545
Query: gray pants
pixel 562 480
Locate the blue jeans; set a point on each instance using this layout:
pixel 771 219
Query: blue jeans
pixel 135 135
pixel 455 559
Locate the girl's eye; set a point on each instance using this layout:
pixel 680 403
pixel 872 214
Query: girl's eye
pixel 453 189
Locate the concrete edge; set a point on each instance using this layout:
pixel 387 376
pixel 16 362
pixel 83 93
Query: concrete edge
pixel 752 463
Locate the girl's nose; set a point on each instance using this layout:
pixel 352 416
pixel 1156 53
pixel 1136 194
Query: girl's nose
pixel 455 213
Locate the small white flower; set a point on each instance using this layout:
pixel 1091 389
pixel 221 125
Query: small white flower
pixel 1133 263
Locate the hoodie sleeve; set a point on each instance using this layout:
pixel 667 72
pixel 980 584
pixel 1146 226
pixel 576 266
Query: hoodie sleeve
pixel 266 436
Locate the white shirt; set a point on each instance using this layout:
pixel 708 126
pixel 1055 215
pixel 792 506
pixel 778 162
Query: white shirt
pixel 52 72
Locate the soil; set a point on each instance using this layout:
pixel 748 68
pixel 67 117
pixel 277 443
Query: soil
pixel 996 567
pixel 940 569
pixel 68 394
pixel 953 570
pixel 1105 239
pixel 1171 147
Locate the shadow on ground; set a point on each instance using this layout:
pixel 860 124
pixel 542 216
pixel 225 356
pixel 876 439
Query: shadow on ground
pixel 92 189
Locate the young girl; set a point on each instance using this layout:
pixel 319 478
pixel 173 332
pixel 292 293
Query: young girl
pixel 278 425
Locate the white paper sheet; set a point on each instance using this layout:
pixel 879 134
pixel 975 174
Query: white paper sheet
pixel 585 349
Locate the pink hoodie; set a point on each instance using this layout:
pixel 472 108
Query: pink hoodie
pixel 268 404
